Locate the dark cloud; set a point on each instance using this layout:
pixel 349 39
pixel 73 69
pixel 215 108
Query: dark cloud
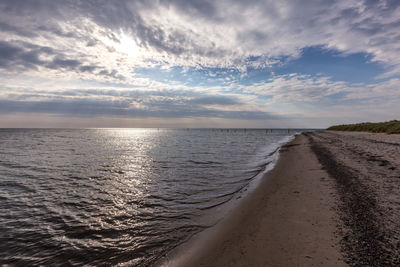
pixel 25 56
pixel 152 98
pixel 56 30
pixel 17 57
pixel 8 52
pixel 67 107
pixel 112 74
pixel 59 63
pixel 14 56
pixel 87 68
pixel 203 8
pixel 5 27
pixel 158 98
pixel 216 100
pixel 163 104
pixel 82 107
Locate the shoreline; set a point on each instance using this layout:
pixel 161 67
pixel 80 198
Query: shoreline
pixel 287 220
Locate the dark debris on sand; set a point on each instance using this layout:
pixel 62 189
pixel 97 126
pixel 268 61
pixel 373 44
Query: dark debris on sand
pixel 365 240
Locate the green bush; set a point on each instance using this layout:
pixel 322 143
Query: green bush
pixel 390 127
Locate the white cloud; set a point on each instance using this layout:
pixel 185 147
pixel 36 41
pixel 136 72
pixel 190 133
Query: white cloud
pixel 297 88
pixel 48 47
pixel 121 36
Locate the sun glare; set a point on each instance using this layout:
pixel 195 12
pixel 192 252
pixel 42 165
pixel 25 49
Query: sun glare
pixel 126 45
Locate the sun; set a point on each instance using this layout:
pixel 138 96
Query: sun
pixel 126 45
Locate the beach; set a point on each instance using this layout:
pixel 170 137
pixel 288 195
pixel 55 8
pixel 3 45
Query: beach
pixel 366 171
pixel 331 200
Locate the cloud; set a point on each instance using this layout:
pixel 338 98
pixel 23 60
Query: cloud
pixel 224 34
pixel 53 53
pixel 8 53
pixel 298 88
pixel 323 91
pixel 294 98
pixel 5 27
pixel 131 103
pixel 22 56
pixel 28 56
pixel 59 63
pixel 216 100
pixel 94 108
pixel 278 97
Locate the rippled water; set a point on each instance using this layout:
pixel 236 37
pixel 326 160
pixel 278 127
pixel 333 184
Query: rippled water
pixel 115 196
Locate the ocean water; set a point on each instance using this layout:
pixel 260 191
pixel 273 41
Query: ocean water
pixel 120 196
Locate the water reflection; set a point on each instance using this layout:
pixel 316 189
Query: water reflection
pixel 117 195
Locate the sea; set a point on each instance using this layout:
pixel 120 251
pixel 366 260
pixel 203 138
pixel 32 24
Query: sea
pixel 121 196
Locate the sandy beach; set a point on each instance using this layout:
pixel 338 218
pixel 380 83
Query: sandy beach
pixel 289 220
pixel 332 200
pixel 366 171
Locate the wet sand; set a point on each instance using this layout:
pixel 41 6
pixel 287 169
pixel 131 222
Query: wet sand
pixel 333 199
pixel 288 220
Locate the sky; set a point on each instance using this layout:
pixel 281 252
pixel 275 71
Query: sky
pixel 192 63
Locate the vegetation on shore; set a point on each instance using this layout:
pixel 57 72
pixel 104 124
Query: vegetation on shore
pixel 390 127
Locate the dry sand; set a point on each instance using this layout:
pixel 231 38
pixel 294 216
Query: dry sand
pixel 333 199
pixel 289 220
pixel 366 171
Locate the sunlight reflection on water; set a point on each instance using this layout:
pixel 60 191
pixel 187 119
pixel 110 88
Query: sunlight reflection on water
pixel 93 196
